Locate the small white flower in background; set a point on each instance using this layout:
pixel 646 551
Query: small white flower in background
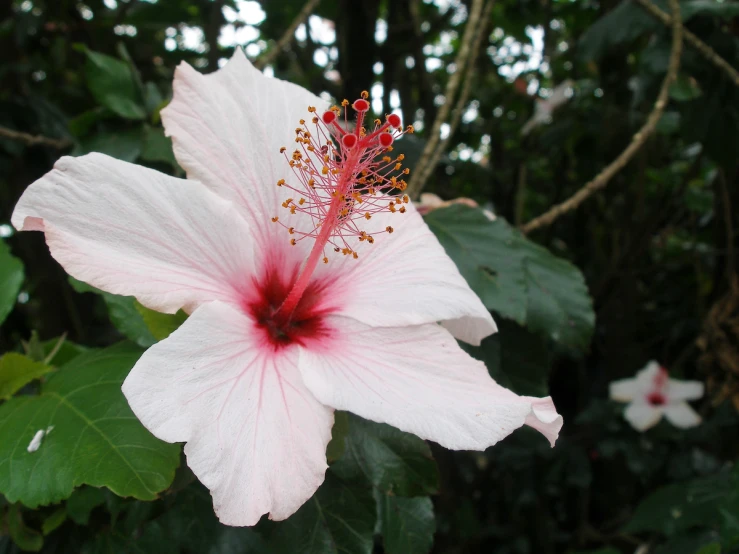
pixel 545 107
pixel 652 394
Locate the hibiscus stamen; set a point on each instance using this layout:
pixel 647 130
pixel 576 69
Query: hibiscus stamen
pixel 343 176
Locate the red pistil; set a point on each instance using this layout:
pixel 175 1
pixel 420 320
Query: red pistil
pixel 656 399
pixel 340 189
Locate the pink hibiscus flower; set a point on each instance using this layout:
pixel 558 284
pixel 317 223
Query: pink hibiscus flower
pixel 283 330
pixel 652 394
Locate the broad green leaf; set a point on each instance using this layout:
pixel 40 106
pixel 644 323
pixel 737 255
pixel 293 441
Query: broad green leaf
pixel 407 525
pixel 339 431
pixel 124 144
pixel 123 314
pixel 84 432
pixel 713 548
pixel 340 518
pixel 26 538
pixel 680 506
pixel 624 23
pixel 516 358
pixel 82 502
pixel 725 10
pixel 485 254
pixel 685 88
pixel 111 82
pixel 11 279
pixel 157 147
pixel 16 371
pixel 62 353
pixel 189 524
pixel 160 325
pixel 389 459
pixel 515 277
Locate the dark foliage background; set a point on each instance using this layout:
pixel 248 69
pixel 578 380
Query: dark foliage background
pixel 644 270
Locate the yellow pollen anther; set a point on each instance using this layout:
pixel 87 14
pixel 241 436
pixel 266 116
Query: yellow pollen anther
pixel 280 182
pixel 355 255
pixel 311 109
pixel 292 209
pixel 401 157
pixel 365 94
pixel 282 150
pixel 325 260
pixel 274 219
pixel 293 242
pixel 410 129
pixel 405 199
pixel 291 230
pixel 389 229
pixel 370 240
pixel 367 216
pixel 392 207
pixel 325 170
pixel 378 122
pixel 402 209
pixel 315 120
pixel 406 171
pixel 302 201
pixel 345 102
pixel 302 121
pixel 398 166
pixel 387 159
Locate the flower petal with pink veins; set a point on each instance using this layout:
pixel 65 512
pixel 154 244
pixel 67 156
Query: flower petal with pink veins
pixel 406 278
pixel 255 435
pixel 682 415
pixel 227 129
pixel 643 416
pixel 419 380
pixel 130 230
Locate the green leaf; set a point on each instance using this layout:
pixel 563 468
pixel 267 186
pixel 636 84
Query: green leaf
pixel 112 84
pixel 160 325
pixel 407 525
pixel 685 88
pixel 88 435
pixel 340 518
pixel 485 254
pixel 123 314
pixel 515 277
pixel 11 279
pixel 389 459
pixel 16 371
pixel 517 359
pixel 339 431
pixel 53 522
pixel 26 538
pixel 157 147
pixel 82 502
pixel 713 548
pixel 623 24
pixel 122 144
pixel 680 506
pixel 189 524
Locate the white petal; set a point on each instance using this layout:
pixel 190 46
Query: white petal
pixel 642 416
pixel 681 415
pixel 255 436
pixel 625 390
pixel 406 278
pixel 419 380
pixel 137 232
pixel 227 129
pixel 684 390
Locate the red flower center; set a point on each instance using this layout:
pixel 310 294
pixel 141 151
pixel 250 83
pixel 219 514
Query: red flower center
pixel 304 324
pixel 656 399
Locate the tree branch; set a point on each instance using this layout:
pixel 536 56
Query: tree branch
pixel 705 50
pixel 34 140
pixel 429 156
pixel 637 141
pixel 288 35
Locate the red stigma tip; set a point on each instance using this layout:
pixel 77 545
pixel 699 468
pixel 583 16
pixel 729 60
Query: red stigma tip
pixel 328 117
pixel 361 105
pixel 349 140
pixel 394 120
pixel 385 139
